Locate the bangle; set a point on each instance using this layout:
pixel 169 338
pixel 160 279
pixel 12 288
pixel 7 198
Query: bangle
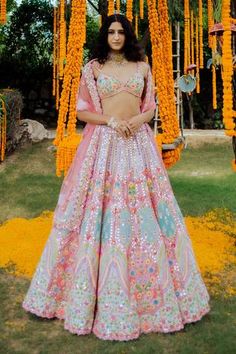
pixel 112 123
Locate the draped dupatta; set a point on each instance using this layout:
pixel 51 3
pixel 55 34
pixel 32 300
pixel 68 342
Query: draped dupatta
pixel 88 100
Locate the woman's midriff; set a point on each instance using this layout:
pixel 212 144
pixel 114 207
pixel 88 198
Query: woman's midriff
pixel 123 105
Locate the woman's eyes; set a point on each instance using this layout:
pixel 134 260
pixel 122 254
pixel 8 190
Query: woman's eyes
pixel 112 32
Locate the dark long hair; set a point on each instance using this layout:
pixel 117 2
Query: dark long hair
pixel 132 49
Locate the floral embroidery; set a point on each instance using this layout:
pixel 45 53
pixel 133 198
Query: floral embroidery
pixel 110 265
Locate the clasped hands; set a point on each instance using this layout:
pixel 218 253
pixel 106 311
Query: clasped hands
pixel 126 128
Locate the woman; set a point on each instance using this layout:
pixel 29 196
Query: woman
pixel 119 261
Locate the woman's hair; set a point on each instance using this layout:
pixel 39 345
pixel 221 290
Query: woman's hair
pixel 132 49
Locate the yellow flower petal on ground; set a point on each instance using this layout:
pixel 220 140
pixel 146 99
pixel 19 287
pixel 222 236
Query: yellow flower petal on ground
pixel 213 238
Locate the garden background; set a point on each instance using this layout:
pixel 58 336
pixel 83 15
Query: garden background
pixel 203 182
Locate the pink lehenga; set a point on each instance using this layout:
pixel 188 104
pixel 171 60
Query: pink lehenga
pixel 118 261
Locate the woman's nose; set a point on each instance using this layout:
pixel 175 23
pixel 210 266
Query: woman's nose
pixel 116 35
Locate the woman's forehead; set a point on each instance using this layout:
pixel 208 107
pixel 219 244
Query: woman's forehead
pixel 116 26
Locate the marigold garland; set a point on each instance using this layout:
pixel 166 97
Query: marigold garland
pixel 200 34
pixel 192 37
pixel 214 88
pixel 110 7
pixel 210 21
pixel 3 12
pixel 229 115
pixel 3 128
pixel 66 153
pixel 162 69
pixel 54 82
pixel 129 10
pixel 186 34
pixel 23 240
pixel 71 80
pixel 136 25
pixel 62 38
pixel 141 9
pixel 197 56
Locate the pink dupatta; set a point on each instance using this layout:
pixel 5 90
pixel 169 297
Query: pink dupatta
pixel 88 100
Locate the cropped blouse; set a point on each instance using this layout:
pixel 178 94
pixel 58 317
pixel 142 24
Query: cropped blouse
pixel 108 85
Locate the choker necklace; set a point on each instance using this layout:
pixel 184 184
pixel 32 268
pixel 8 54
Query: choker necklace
pixel 117 59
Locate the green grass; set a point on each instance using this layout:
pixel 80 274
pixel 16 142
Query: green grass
pixel 201 181
pixel 28 182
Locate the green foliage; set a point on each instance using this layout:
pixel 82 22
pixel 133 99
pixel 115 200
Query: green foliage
pixel 27 36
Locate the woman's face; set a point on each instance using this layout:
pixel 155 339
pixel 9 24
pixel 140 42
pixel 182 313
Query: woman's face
pixel 116 36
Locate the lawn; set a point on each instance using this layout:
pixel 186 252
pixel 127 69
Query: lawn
pixel 202 180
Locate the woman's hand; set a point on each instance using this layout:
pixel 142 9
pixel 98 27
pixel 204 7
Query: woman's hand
pixel 123 128
pixel 135 123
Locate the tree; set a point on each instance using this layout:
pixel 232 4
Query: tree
pixel 27 37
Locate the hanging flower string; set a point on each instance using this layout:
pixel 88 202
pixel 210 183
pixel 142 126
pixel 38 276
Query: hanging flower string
pixel 197 56
pixel 210 21
pixel 3 128
pixel 62 38
pixel 141 9
pixel 70 86
pixel 129 10
pixel 3 12
pixel 214 88
pixel 229 115
pixel 110 7
pixel 186 34
pixel 200 34
pixel 162 69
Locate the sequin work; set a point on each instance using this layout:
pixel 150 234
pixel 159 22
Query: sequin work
pixel 119 261
pixel 108 85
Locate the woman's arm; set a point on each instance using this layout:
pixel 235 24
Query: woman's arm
pixel 93 118
pixel 145 117
pixel 96 118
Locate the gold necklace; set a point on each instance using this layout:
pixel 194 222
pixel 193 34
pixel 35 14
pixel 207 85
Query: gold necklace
pixel 117 59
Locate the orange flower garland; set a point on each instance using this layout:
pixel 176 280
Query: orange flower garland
pixel 162 69
pixel 110 7
pixel 54 51
pixel 141 9
pixel 136 25
pixel 214 88
pixel 62 37
pixel 129 10
pixel 200 34
pixel 197 56
pixel 3 12
pixel 70 85
pixel 3 129
pixel 210 21
pixel 186 34
pixel 229 115
pixel 192 37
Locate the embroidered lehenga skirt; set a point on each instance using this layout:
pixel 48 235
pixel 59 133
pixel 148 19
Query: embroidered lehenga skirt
pixel 118 261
